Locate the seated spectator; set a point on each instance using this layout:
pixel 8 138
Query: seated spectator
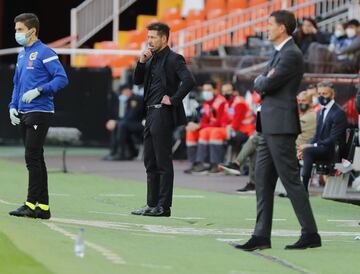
pixel 212 114
pixel 307 118
pixel 239 125
pixel 125 124
pixel 311 90
pixel 309 33
pixel 350 52
pixel 247 152
pixel 338 39
pixel 330 130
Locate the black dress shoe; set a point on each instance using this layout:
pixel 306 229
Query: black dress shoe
pixel 255 242
pixel 142 211
pixel 159 211
pixel 42 214
pixel 306 241
pixel 23 211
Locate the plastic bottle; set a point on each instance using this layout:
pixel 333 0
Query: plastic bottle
pixel 79 244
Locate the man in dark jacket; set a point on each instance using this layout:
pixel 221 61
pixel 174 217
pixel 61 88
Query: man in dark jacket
pixel 166 81
pixel 330 130
pixel 278 122
pixel 124 124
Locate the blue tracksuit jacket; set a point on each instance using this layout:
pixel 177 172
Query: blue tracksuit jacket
pixel 37 66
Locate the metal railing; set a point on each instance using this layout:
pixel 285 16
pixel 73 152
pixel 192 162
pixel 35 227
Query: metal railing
pixel 92 15
pixel 232 29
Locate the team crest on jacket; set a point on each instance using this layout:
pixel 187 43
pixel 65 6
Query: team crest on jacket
pixel 33 56
pixel 133 103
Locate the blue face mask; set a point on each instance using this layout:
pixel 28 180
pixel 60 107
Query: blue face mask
pixel 21 38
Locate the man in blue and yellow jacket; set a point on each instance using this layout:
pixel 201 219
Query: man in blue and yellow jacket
pixel 38 76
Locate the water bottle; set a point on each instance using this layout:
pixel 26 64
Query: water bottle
pixel 79 244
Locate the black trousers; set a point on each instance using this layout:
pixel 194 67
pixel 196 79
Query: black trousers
pixel 312 155
pixel 158 131
pixel 34 127
pixel 276 157
pixel 122 137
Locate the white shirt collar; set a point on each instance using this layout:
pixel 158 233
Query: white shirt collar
pixel 279 47
pixel 327 107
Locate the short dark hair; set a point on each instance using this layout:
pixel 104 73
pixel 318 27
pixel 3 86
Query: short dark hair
pixel 161 28
pixel 124 86
pixel 30 20
pixel 286 18
pixel 353 22
pixel 312 21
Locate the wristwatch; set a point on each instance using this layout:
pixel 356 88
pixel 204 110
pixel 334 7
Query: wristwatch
pixel 40 89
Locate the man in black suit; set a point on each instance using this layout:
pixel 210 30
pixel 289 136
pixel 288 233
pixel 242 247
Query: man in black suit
pixel 330 130
pixel 125 123
pixel 278 122
pixel 166 81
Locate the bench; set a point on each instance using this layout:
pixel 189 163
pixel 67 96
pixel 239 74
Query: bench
pixel 64 136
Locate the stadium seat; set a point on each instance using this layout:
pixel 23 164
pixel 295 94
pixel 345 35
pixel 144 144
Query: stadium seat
pixel 136 36
pixel 253 3
pixel 96 61
pixel 215 4
pixel 163 5
pixel 176 25
pixel 123 37
pixel 195 15
pixel 106 45
pixel 234 5
pixel 214 13
pixel 143 20
pixel 170 14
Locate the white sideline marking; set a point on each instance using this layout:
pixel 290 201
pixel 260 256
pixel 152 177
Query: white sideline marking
pixel 117 195
pixel 157 266
pixel 108 213
pixel 229 240
pixel 343 221
pixel 195 231
pixel 124 214
pixel 276 220
pixel 151 235
pixel 190 196
pixel 7 203
pixel 108 254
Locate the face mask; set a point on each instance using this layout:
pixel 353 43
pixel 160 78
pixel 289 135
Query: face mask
pixel 228 96
pixel 324 100
pixel 350 32
pixel 207 95
pixel 304 107
pixel 315 100
pixel 123 98
pixel 338 33
pixel 21 38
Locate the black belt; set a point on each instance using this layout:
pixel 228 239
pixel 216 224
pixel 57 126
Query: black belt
pixel 154 106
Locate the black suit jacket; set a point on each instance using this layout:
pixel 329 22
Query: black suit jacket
pixel 332 130
pixel 279 111
pixel 176 79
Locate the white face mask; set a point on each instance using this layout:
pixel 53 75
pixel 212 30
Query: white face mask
pixel 315 100
pixel 339 33
pixel 350 32
pixel 207 95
